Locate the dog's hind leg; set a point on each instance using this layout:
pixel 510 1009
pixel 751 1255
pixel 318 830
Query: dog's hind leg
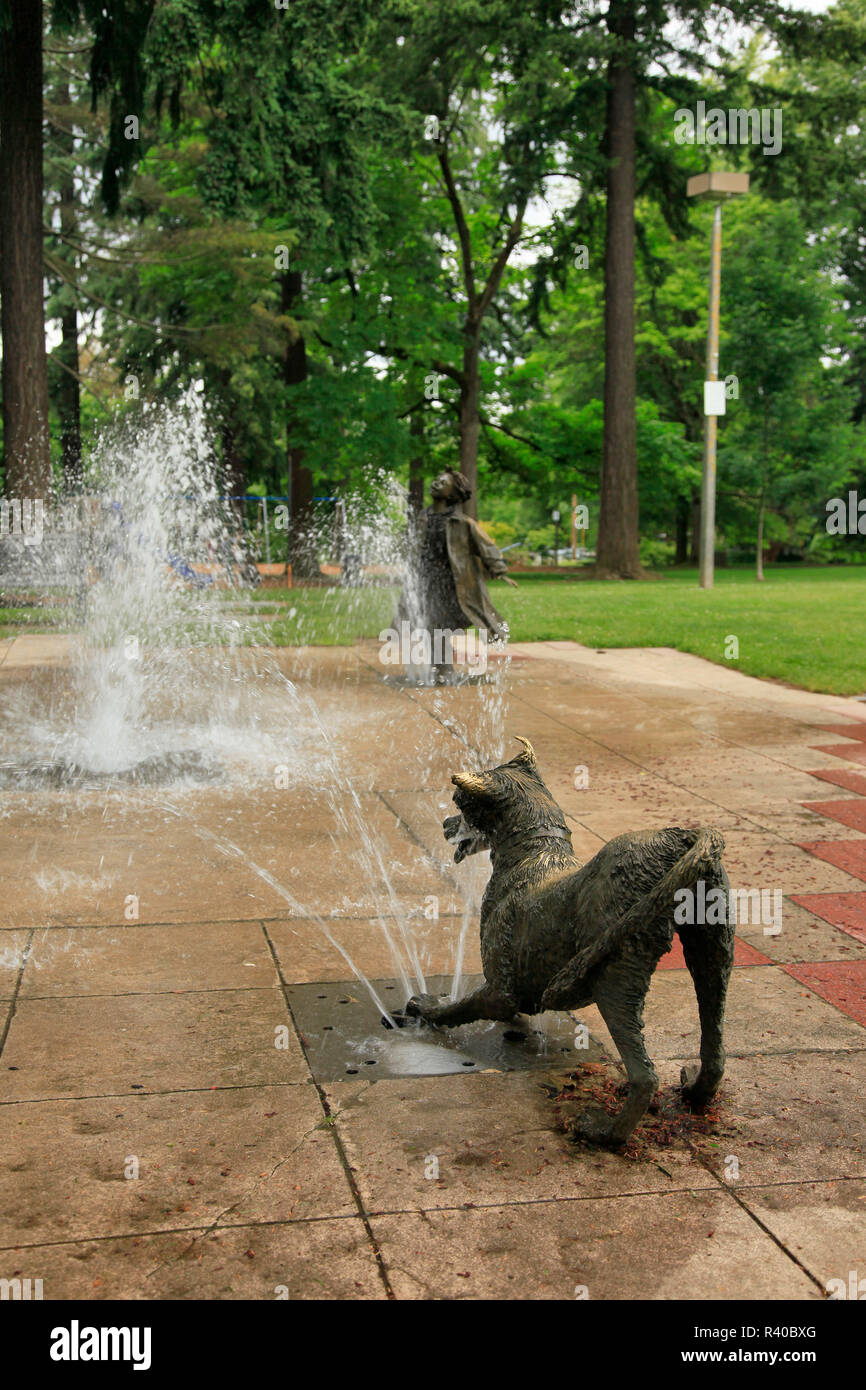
pixel 620 995
pixel 709 955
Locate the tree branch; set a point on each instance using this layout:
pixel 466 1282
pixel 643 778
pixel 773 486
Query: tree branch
pixel 501 261
pixel 461 224
pixel 521 438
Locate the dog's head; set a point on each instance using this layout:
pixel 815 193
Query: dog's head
pixel 504 801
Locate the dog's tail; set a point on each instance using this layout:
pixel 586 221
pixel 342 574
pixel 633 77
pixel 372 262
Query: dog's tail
pixel 642 919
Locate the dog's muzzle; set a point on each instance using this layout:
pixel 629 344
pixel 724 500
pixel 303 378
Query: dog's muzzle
pixel 465 839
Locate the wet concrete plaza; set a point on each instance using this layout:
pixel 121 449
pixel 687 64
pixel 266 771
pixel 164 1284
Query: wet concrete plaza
pixel 167 1130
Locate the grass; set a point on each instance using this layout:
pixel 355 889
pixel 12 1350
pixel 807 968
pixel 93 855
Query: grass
pixel 803 626
pixel 29 618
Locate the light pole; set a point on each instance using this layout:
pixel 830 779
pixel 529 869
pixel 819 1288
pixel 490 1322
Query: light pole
pixel 716 188
pixel 555 514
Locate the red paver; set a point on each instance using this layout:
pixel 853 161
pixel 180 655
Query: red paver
pixel 851 752
pixel 840 982
pixel 846 730
pixel 744 954
pixel 844 910
pixel 841 777
pixel 849 855
pixel 851 813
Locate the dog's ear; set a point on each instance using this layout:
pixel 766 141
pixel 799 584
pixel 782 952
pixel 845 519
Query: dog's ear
pixel 469 782
pixel 528 755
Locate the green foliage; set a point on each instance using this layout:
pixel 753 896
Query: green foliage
pixel 304 128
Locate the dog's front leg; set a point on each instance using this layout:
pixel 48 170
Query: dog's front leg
pixel 484 1002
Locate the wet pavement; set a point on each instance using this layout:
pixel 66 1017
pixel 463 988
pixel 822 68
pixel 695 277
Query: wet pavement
pixel 168 1128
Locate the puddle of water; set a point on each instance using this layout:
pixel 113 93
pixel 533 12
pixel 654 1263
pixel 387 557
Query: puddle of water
pixel 344 1038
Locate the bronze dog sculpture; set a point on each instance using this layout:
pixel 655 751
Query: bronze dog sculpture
pixel 558 935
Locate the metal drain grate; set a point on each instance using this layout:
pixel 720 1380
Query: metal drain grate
pixel 344 1037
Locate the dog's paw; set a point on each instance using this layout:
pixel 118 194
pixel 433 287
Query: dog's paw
pixel 423 1006
pixel 696 1088
pixel 595 1126
pixel 418 1009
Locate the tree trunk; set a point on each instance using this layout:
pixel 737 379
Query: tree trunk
pixel 617 547
pixel 234 472
pixel 695 544
pixel 759 565
pixel 759 561
pixel 68 389
pixel 416 464
pixel 682 530
pixel 302 540
pixel 470 421
pixel 26 439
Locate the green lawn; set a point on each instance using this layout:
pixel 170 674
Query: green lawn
pixel 803 626
pixel 32 618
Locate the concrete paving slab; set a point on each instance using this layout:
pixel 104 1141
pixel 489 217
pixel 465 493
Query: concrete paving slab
pixel 755 860
pixel 645 667
pixel 767 1011
pixel 306 955
pixel 173 1002
pixel 299 1260
pixel 98 868
pixel 115 1044
pixel 789 1118
pixel 428 1143
pixel 823 1224
pixel 744 955
pixel 36 649
pixel 143 1163
pixel 694 1246
pixel 141 959
pixel 84 872
pixel 796 824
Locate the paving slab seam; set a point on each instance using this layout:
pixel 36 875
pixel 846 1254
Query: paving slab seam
pixel 151 993
pixel 194 1231
pixel 145 1093
pixel 442 870
pixel 604 1196
pixel 501 1205
pixel 762 1226
pixel 16 988
pixel 338 1142
pixel 256 920
pixel 798 1182
pixel 796 1052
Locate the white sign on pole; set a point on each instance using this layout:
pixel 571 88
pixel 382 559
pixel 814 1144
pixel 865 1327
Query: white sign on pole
pixel 714 398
